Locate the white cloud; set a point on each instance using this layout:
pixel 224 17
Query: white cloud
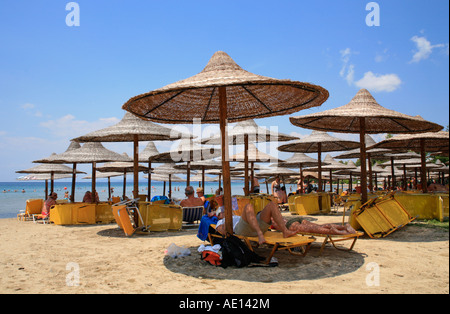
pixel 68 126
pixel 372 82
pixel 379 83
pixel 424 48
pixel 30 109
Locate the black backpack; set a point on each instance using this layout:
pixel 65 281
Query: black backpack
pixel 236 253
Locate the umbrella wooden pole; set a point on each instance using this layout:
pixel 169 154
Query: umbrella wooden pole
pixel 124 189
pixel 94 177
pixel 319 157
pixel 188 174
pixel 301 179
pixel 149 181
pixel 170 186
pixel 363 159
pixel 109 188
pixel 392 174
pixel 423 168
pixel 74 176
pixel 252 176
pixel 225 160
pixel 246 191
pixel 136 166
pixel 52 182
pixel 203 178
pixel 46 190
pixel 369 163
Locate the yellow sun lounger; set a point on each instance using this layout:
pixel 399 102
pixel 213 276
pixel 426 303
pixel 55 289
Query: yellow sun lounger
pixel 281 243
pixel 122 216
pixel 278 242
pixel 382 216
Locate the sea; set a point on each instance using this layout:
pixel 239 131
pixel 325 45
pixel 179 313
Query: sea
pixel 13 195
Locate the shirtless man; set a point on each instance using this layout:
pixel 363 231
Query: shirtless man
pixel 191 200
pixel 251 225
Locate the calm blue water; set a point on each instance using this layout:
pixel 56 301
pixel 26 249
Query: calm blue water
pixel 12 199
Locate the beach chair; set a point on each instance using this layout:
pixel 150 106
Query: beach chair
pixel 335 238
pixel 382 216
pixel 33 207
pixel 191 214
pixel 124 215
pixel 296 245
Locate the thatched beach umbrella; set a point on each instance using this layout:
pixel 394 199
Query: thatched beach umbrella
pixel 245 132
pixel 51 170
pixel 371 153
pixel 252 154
pixel 166 170
pixel 330 165
pixel 107 175
pixel 124 167
pixel 187 151
pixel 223 92
pixel 422 143
pixel 363 115
pixel 132 129
pixel 318 142
pixel 299 160
pixel 203 166
pixel 89 153
pixel 73 145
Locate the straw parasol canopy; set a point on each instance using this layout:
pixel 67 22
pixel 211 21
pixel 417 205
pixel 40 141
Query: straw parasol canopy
pixel 363 115
pixel 356 153
pixel 330 165
pixel 318 142
pixel 124 167
pixel 51 170
pixel 223 92
pixel 423 142
pixel 299 160
pixel 245 132
pixel 187 151
pixel 89 153
pixel 132 129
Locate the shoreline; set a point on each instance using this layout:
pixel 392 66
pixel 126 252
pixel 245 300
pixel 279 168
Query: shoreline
pixel 36 256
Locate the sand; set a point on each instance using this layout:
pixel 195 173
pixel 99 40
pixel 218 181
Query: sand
pixel 38 258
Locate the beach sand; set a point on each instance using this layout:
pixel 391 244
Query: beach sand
pixel 38 258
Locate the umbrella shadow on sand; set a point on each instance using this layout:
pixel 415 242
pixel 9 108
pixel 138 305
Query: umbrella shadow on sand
pixel 331 263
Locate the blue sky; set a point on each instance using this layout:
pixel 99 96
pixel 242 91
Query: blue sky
pixel 59 82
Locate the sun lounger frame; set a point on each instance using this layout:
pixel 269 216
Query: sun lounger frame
pixel 286 244
pixel 335 238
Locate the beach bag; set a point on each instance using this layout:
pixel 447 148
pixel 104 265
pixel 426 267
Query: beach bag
pixel 211 258
pixel 236 253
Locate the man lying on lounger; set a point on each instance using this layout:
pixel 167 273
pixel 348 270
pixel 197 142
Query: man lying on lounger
pixel 251 225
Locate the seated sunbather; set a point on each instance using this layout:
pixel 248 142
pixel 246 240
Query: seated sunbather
pixel 251 225
pixel 300 225
pixel 191 200
pixel 49 203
